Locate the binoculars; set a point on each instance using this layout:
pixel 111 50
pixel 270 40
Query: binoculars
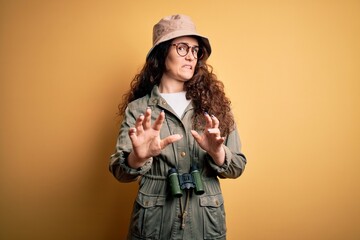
pixel 179 182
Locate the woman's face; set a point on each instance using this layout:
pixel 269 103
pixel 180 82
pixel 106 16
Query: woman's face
pixel 180 68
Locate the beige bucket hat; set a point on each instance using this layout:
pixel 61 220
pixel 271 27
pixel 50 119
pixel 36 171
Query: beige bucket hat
pixel 174 26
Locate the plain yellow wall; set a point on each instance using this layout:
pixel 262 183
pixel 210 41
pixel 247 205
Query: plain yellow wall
pixel 291 69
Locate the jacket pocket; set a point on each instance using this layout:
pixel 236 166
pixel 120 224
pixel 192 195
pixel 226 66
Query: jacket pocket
pixel 214 216
pixel 146 220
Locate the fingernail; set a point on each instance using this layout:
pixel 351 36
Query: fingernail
pixel 206 113
pixel 212 116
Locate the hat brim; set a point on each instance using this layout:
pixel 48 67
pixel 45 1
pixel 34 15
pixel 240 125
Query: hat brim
pixel 181 33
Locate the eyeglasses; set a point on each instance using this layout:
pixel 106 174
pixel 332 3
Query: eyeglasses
pixel 183 49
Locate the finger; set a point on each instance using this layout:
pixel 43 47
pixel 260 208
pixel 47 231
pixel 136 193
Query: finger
pixel 132 131
pixel 220 140
pixel 170 139
pixel 208 120
pixel 132 134
pixel 147 119
pixel 159 121
pixel 196 135
pixel 139 124
pixel 214 131
pixel 215 121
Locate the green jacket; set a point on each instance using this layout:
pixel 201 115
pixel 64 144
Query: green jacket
pixel 156 213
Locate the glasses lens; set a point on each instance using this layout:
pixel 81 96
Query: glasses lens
pixel 182 49
pixel 197 52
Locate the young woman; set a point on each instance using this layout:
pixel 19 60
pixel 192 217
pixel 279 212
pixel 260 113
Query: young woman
pixel 178 137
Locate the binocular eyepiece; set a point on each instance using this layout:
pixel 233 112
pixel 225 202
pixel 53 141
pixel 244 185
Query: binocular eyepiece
pixel 179 182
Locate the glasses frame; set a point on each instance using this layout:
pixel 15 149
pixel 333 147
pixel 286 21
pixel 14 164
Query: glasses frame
pixel 198 56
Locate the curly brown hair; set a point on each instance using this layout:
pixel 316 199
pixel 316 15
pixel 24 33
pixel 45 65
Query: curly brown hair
pixel 204 89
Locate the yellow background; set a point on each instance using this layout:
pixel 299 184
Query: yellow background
pixel 291 69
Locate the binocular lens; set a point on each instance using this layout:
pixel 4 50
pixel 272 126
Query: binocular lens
pixel 174 183
pixel 199 188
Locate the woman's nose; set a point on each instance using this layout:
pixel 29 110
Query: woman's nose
pixel 189 56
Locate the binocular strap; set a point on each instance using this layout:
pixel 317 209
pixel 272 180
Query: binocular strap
pixel 183 209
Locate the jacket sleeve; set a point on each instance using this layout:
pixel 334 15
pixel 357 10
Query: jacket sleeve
pixel 235 160
pixel 118 161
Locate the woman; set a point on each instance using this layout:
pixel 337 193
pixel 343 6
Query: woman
pixel 177 137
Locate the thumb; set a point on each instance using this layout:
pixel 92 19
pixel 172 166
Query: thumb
pixel 196 135
pixel 170 139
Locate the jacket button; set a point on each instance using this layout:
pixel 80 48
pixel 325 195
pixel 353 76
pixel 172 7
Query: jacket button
pixel 217 203
pixel 183 154
pixel 146 203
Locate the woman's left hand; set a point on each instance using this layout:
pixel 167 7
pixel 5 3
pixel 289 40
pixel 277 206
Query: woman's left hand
pixel 211 140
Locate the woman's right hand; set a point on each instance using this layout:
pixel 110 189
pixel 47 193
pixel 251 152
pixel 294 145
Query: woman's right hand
pixel 145 139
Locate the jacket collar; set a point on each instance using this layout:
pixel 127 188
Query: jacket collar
pixel 156 99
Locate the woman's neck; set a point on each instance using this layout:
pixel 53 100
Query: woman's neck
pixel 171 86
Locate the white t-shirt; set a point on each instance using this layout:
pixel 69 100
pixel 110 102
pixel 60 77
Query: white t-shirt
pixel 177 101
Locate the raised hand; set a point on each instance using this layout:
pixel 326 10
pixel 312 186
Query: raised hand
pixel 145 139
pixel 210 140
